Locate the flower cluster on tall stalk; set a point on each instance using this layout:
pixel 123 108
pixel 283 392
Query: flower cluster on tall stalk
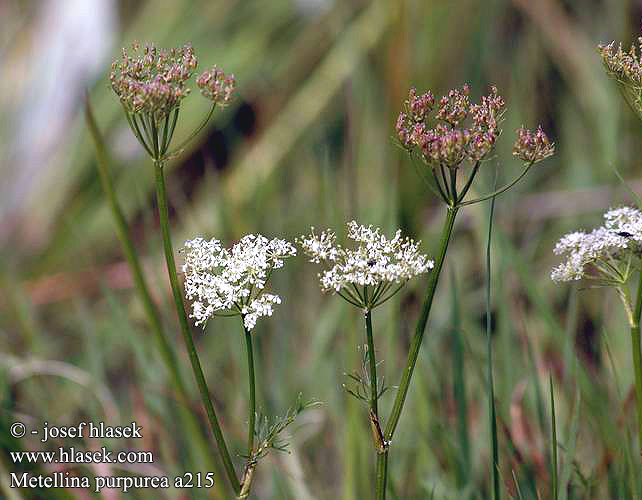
pixel 366 277
pixel 611 255
pixel 201 451
pixel 151 84
pixel 233 282
pixel 453 138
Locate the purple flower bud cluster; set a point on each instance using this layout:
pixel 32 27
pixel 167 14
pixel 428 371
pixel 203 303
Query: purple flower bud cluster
pixel 420 106
pixel 532 147
pixel 454 107
pixel 152 81
pixel 216 86
pixel 448 142
pixel 625 67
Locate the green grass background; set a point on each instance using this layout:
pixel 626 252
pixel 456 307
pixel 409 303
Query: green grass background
pixel 326 88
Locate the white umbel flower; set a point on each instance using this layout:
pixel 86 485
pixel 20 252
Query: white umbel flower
pixel 603 254
pixel 626 221
pixel 259 307
pixel 363 275
pixel 233 280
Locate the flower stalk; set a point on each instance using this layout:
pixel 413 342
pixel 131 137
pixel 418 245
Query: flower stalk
pixel 420 329
pixel 625 68
pixel 166 350
pixel 151 84
pixel 637 355
pixel 163 213
pixel 251 379
pixel 381 477
pixel 233 282
pixel 380 443
pixel 633 315
pixel 372 362
pixel 366 277
pixel 402 391
pixel 607 256
pixel 446 143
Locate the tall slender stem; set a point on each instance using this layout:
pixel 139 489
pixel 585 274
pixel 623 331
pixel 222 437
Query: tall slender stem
pixel 402 391
pixel 379 440
pixel 553 442
pixel 492 411
pixel 372 362
pixel 382 475
pixel 637 365
pixel 421 324
pixel 252 407
pixel 168 355
pixel 122 231
pixel 637 355
pixel 185 329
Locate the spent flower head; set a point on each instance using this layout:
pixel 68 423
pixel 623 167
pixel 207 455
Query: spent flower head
pixel 448 140
pixel 605 254
pixel 151 80
pixel 151 83
pixel 216 86
pixel 625 67
pixel 459 132
pixel 365 275
pixel 532 147
pixel 220 280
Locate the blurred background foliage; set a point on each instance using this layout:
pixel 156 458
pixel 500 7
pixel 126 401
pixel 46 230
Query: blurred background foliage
pixel 308 142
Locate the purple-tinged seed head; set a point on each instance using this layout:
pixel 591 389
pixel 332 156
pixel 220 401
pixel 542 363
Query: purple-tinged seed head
pixel 153 81
pixel 532 147
pixel 216 86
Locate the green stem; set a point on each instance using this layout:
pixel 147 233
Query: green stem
pixel 453 183
pixel 252 408
pixel 498 191
pixel 637 356
pixel 168 355
pixel 196 131
pixel 185 329
pixel 449 195
pixel 130 253
pixel 382 475
pixel 402 391
pixel 372 364
pixel 553 442
pixel 131 119
pixel 421 325
pixel 420 168
pixel 469 182
pixel 637 365
pixel 163 146
pixel 379 441
pixel 154 128
pixel 492 411
pixel 437 183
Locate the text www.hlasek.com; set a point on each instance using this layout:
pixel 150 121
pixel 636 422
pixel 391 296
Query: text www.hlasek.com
pixel 46 478
pixel 73 456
